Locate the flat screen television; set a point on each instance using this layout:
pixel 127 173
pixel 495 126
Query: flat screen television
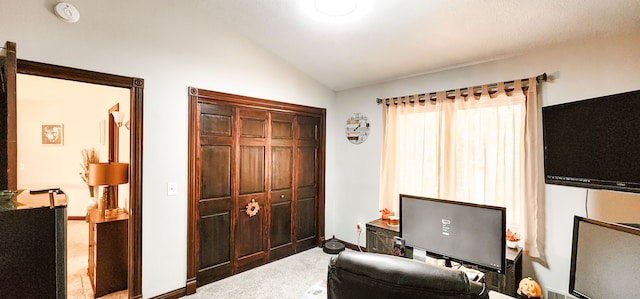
pixel 468 233
pixel 594 143
pixel 605 261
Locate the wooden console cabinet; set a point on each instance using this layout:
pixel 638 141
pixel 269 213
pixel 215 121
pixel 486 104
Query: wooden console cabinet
pixel 380 240
pixel 33 247
pixel 507 283
pixel 380 236
pixel 107 253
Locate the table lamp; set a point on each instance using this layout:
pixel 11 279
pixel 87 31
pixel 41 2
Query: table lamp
pixel 109 175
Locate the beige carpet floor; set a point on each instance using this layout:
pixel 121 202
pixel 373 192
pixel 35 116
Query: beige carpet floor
pixel 302 275
pixel 78 283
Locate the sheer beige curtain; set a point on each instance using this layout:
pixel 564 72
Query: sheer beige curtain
pixel 482 149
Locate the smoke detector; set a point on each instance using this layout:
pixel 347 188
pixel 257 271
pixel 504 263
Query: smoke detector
pixel 67 12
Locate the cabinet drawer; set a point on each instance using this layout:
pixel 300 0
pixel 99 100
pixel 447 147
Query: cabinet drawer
pixel 380 240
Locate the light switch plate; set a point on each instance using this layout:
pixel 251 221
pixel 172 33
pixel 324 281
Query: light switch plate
pixel 172 188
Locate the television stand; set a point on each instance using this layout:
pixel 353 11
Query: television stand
pixel 506 283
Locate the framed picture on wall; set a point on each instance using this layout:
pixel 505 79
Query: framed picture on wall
pixel 53 134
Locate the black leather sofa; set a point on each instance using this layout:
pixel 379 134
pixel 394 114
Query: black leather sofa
pixel 354 274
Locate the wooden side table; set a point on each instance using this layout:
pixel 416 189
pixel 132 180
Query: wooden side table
pixel 380 236
pixel 507 283
pixel 108 252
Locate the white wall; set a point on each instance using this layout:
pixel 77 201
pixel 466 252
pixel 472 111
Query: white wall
pixel 581 70
pixel 183 48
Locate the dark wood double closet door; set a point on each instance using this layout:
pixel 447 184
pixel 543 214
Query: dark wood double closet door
pixel 249 151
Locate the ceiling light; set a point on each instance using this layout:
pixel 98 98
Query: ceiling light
pixel 335 10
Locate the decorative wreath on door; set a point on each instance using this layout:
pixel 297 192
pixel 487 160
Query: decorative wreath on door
pixel 252 208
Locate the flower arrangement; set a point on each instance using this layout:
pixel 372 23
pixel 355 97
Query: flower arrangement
pixel 385 213
pixel 89 155
pixel 512 236
pixel 512 239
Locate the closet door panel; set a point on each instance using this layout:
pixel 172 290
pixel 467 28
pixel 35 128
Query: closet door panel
pixel 282 127
pixel 281 232
pixel 215 255
pixel 253 123
pixel 252 165
pixel 216 120
pixel 215 203
pixel 307 182
pixel 251 232
pixel 280 224
pixel 306 167
pixel 307 193
pixel 216 176
pixel 308 129
pixel 282 169
pixel 306 213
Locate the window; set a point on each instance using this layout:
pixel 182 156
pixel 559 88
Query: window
pixel 467 148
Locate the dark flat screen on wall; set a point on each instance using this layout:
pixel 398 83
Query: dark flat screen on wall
pixel 594 143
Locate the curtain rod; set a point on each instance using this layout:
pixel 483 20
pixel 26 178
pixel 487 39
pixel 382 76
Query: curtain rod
pixel 540 78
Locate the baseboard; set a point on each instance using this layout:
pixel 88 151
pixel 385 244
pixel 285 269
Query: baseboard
pixel 351 245
pixel 192 285
pixel 83 218
pixel 175 294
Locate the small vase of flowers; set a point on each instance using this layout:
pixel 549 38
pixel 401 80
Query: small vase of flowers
pixel 512 239
pixel 384 214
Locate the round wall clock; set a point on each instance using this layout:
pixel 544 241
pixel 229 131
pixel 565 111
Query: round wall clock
pixel 357 128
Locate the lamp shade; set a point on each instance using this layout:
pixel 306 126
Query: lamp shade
pixel 118 117
pixel 109 174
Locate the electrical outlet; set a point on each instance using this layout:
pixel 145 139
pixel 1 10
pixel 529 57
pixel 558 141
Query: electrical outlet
pixel 172 188
pixel 358 227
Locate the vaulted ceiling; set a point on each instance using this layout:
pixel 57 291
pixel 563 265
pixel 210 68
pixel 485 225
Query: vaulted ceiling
pixel 403 38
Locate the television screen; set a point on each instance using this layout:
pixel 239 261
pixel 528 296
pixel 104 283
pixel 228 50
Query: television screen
pixel 604 260
pixel 594 143
pixel 467 233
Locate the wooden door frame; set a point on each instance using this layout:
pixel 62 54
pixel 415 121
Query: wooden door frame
pixel 12 145
pixel 114 136
pixel 193 185
pixel 135 85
